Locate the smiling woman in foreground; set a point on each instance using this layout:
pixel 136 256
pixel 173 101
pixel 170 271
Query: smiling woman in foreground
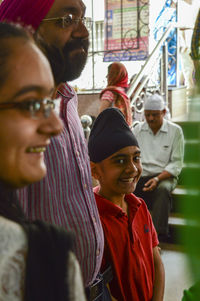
pixel 36 261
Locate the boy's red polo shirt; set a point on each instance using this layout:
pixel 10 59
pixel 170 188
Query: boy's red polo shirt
pixel 129 244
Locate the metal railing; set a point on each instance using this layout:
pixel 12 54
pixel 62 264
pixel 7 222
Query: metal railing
pixel 143 76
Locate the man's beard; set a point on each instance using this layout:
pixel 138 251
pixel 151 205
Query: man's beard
pixel 66 65
pixel 74 62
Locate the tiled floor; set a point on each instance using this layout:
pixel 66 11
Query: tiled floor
pixel 177 274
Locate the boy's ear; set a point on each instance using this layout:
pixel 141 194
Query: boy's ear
pixel 94 170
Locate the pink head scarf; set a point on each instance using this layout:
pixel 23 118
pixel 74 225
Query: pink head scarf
pixel 117 75
pixel 25 12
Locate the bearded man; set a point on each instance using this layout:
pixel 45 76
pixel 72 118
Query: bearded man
pixel 65 197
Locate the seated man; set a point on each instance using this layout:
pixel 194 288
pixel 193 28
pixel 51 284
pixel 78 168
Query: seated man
pixel 162 147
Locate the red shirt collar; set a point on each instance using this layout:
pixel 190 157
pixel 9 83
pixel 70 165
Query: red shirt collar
pixel 107 207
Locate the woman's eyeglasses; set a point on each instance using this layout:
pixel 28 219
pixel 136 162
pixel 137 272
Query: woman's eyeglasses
pixel 70 20
pixel 33 107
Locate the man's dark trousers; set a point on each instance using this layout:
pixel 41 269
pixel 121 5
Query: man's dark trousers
pixel 158 201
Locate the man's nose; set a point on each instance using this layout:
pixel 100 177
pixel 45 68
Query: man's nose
pixel 151 117
pixel 80 31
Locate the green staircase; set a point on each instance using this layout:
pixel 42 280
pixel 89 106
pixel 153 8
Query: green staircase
pixel 186 196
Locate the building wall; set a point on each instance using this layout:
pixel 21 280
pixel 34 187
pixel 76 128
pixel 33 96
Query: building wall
pixel 88 104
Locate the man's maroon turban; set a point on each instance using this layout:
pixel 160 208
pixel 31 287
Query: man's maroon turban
pixel 25 12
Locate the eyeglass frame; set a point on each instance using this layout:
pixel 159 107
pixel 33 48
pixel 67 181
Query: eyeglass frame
pixel 49 105
pixel 84 20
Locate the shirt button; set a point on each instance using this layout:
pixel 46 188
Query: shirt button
pixel 77 153
pixel 98 252
pixel 85 185
pixel 94 219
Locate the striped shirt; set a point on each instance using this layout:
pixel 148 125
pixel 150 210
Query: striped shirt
pixel 65 196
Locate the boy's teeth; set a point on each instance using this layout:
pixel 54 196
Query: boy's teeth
pixel 36 149
pixel 128 180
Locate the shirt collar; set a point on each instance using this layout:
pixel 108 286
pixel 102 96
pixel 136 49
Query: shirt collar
pixel 134 203
pixel 106 207
pixel 164 127
pixel 66 91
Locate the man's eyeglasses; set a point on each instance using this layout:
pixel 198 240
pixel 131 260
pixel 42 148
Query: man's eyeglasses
pixel 70 20
pixel 33 107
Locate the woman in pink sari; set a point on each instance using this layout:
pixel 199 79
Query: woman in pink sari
pixel 114 95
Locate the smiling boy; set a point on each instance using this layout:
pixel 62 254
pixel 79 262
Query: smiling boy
pixel 131 246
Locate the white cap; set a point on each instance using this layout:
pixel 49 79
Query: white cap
pixel 154 102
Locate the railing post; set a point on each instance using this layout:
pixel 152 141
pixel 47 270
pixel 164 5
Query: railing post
pixel 86 122
pixel 164 73
pixel 150 63
pixel 93 80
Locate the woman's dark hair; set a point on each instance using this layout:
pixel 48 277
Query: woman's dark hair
pixel 9 31
pixel 9 207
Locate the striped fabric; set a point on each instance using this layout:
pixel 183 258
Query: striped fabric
pixel 109 96
pixel 118 98
pixel 65 196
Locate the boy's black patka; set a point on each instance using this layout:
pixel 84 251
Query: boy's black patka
pixel 109 134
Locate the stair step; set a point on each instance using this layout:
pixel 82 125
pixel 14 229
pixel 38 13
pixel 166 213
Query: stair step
pixel 191 129
pixel 177 224
pixel 190 175
pixel 192 151
pixel 186 196
pixel 192 141
pixel 195 165
pixel 181 191
pixel 177 221
pixel 177 196
pixel 181 197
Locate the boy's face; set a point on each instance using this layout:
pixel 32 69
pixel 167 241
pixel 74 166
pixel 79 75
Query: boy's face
pixel 119 173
